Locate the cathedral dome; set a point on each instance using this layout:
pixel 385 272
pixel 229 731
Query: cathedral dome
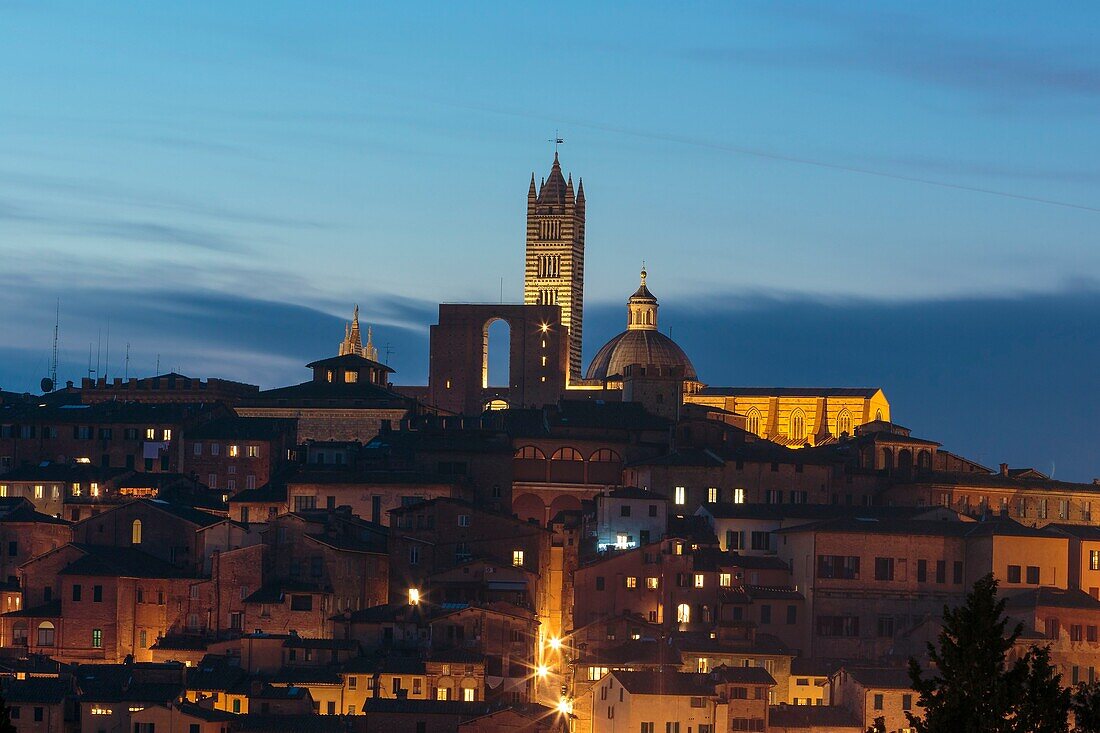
pixel 640 343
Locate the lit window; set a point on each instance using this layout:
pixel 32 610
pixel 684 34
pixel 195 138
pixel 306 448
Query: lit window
pixel 712 494
pixel 468 694
pixel 167 434
pixel 631 581
pixel 97 638
pixel 698 580
pixel 93 489
pixel 150 433
pixel 724 580
pixel 680 495
pixel 517 558
pixel 652 583
pixel 622 542
pixel 414 596
pixel 678 548
pixel 234 451
pixel 442 693
pixel 39 491
pixel 76 489
pixel 683 613
pixel 135 532
pixel 253 451
pixel 3 489
pixel 351 377
pixel 738 496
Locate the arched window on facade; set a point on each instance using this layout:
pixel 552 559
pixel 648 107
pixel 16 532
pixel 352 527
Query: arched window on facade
pixel 530 453
pixel 683 614
pixel 45 634
pixel 878 414
pixel 752 421
pixel 530 464
pixel 798 425
pixel 135 532
pixel 567 466
pixel 844 423
pixel 605 467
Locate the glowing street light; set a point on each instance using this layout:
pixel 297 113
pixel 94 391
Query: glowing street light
pixel 542 670
pixel 555 643
pixel 564 706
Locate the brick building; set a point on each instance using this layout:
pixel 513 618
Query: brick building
pixel 233 453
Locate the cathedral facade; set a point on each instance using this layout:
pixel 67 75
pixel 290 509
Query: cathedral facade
pixel 546 339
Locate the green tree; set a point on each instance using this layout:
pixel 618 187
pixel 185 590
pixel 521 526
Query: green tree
pixel 1085 704
pixel 879 726
pixel 971 690
pixel 1043 704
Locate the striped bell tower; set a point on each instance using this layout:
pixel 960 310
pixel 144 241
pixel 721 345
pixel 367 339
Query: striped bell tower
pixel 554 265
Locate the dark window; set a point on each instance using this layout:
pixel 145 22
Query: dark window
pixel 765 614
pixel 1032 575
pixel 792 615
pixel 885 626
pixel 652 510
pixel 624 510
pixel 941 571
pixel 38 714
pixel 97 593
pixel 922 571
pixel 301 603
pixel 761 540
pixel 878 701
pixel 957 573
pixel 906 702
pixel 884 568
pixel 13 548
pixel 838 626
pixel 1013 573
pixel 599 582
pixel 76 593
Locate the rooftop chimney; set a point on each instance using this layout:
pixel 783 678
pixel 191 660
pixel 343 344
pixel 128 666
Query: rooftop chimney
pixel 1004 469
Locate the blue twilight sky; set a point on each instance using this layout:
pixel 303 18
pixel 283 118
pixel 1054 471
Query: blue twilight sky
pixel 895 194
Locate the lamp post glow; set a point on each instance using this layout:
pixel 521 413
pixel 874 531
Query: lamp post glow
pixel 542 670
pixel 555 643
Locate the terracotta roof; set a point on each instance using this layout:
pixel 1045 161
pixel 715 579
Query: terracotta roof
pixel 1052 598
pixel 789 391
pixel 888 678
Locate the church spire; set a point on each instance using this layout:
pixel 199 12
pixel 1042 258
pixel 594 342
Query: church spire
pixel 353 342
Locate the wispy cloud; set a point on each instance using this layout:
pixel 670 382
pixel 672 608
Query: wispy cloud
pixel 910 47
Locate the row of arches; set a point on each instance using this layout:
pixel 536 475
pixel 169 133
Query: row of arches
pixel 568 465
pixel 530 506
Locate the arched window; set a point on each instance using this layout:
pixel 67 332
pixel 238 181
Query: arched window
pixel 605 455
pixel 752 421
pixel 45 634
pixel 567 454
pixel 530 453
pixel 798 425
pixel 135 532
pixel 683 614
pixel 878 414
pixel 844 423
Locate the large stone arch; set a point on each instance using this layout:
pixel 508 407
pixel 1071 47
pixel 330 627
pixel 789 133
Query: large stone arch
pixel 529 506
pixel 563 503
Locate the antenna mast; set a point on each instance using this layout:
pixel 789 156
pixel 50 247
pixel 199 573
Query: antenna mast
pixel 53 358
pixel 127 372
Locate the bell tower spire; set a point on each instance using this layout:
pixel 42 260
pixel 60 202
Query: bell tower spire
pixel 554 262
